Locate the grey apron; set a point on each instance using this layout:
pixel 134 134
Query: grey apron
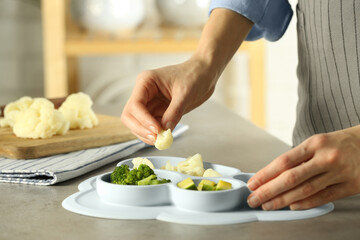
pixel 328 68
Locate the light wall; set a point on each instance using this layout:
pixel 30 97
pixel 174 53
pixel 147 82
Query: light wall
pixel 20 49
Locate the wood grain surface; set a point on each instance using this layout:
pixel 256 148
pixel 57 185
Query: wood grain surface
pixel 109 131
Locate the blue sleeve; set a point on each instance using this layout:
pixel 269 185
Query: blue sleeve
pixel 270 17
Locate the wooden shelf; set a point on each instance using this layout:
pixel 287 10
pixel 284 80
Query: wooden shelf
pixel 65 42
pixel 143 40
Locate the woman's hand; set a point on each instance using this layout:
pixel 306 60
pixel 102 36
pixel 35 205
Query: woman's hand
pixel 323 168
pixel 161 96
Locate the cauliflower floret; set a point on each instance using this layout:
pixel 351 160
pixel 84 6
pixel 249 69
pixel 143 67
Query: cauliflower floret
pixel 169 167
pixel 40 120
pixel 37 118
pixel 77 110
pixel 192 166
pixel 13 109
pixel 211 173
pixel 164 140
pixel 138 161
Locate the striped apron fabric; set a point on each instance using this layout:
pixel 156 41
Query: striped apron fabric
pixel 328 69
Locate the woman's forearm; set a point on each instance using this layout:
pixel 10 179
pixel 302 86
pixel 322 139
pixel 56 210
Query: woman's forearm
pixel 221 38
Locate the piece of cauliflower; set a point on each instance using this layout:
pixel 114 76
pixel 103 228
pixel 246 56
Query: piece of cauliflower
pixel 169 167
pixel 13 109
pixel 211 173
pixel 164 140
pixel 77 110
pixel 138 161
pixel 39 120
pixel 192 166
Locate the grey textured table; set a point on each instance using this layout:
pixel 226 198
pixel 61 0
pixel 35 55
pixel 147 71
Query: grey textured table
pixel 35 212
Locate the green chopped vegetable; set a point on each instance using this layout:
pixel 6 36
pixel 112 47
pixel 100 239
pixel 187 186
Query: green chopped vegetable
pixel 119 175
pixel 159 181
pixel 143 175
pixel 147 180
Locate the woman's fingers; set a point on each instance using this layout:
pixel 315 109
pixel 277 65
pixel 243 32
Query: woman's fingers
pixel 145 91
pixel 282 163
pixel 286 181
pixel 174 112
pixel 306 189
pixel 157 107
pixel 143 116
pixel 137 117
pixel 329 194
pixel 146 135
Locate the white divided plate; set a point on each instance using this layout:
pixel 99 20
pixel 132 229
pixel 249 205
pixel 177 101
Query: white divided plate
pixel 87 202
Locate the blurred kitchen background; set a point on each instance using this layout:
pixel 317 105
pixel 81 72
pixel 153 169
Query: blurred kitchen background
pixel 131 36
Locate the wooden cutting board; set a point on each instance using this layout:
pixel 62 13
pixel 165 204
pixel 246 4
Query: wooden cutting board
pixel 109 131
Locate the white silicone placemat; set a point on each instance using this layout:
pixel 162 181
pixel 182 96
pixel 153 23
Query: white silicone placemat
pixel 87 202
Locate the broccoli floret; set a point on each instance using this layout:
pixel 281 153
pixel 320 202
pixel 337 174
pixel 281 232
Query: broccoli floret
pixel 122 174
pixel 143 175
pixel 119 174
pixel 145 170
pixel 133 177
